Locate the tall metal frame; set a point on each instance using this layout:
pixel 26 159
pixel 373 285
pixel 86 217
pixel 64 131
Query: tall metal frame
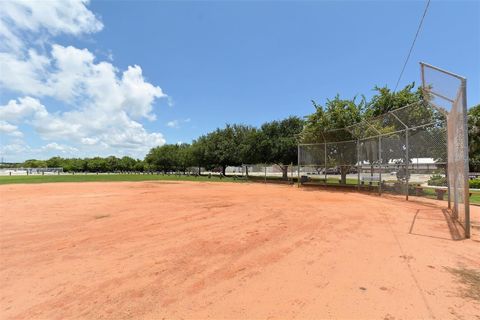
pixel 455 126
pixel 451 126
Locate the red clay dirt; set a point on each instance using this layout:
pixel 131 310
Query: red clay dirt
pixel 186 250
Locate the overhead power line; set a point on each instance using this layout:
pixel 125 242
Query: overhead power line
pixel 413 44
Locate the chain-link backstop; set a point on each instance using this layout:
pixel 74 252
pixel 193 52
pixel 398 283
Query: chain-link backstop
pixel 419 149
pixel 448 92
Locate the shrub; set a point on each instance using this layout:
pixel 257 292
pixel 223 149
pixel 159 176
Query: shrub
pixel 437 180
pixel 475 183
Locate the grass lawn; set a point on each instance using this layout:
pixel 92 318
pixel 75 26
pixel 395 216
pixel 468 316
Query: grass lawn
pixel 106 178
pixel 429 193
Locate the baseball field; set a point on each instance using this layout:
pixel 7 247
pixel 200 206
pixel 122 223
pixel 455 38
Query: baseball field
pixel 196 250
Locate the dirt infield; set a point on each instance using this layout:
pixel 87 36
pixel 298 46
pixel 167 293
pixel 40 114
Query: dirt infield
pixel 154 250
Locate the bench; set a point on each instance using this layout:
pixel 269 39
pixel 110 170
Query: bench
pixel 440 193
pixel 419 190
pixel 304 179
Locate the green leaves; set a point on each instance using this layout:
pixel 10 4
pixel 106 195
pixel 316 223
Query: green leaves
pixel 276 141
pixel 474 137
pixel 170 157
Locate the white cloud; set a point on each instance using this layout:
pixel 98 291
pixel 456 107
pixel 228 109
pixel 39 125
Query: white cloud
pixel 88 126
pixel 13 149
pixel 26 18
pixel 49 150
pixel 177 123
pixel 139 94
pixel 102 107
pixel 58 147
pixel 17 110
pixel 173 124
pixel 24 75
pixel 10 129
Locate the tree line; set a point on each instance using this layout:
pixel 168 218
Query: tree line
pixel 274 142
pixel 95 164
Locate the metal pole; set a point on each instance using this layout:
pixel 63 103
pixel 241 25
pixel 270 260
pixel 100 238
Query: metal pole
pixel 325 163
pixel 358 164
pixel 447 175
pixel 291 170
pixel 380 165
pixel 298 166
pixel 406 165
pixel 466 185
pixel 446 72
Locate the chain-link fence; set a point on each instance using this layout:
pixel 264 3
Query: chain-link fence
pixel 419 149
pixel 30 171
pixel 396 152
pixel 447 92
pixel 277 173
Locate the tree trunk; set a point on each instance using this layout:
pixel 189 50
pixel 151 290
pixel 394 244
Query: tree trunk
pixel 343 173
pixel 246 171
pixel 284 172
pixel 199 170
pixel 224 169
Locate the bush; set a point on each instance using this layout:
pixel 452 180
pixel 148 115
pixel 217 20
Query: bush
pixel 441 181
pixel 437 180
pixel 475 184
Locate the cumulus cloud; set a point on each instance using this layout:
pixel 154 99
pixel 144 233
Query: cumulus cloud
pixel 87 126
pixel 10 129
pixel 22 18
pixel 59 147
pixel 15 111
pixel 102 107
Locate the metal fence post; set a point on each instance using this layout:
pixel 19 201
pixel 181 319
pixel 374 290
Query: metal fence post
pixel 447 176
pixel 406 165
pixel 358 164
pixel 380 165
pixel 291 170
pixel 298 166
pixel 265 173
pixel 466 185
pixel 325 162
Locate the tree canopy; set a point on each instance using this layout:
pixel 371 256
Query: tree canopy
pixel 474 137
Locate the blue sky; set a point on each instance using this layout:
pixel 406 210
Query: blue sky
pixel 194 66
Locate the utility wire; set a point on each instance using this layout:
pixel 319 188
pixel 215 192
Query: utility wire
pixel 413 44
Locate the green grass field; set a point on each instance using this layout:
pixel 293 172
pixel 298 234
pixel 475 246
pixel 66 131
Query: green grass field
pixel 107 178
pixel 429 193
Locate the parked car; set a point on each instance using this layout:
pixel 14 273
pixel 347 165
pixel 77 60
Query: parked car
pixel 333 171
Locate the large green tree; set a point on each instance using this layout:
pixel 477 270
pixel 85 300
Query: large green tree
pixel 170 157
pixel 126 164
pixel 96 164
pixel 33 163
pixel 425 142
pixel 474 138
pixel 184 157
pixel 229 146
pixel 276 142
pixel 163 158
pixel 385 100
pixel 199 153
pixel 327 124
